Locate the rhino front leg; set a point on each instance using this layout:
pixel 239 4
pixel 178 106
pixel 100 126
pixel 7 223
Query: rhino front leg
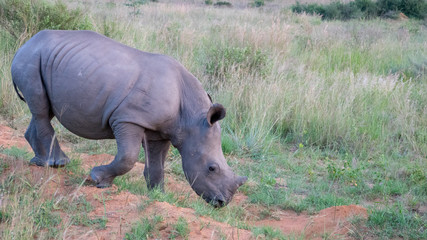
pixel 154 169
pixel 41 136
pixel 128 137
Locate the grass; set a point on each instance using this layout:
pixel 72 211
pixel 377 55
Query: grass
pixel 78 210
pixel 395 220
pixel 145 229
pixel 16 152
pixel 26 214
pixel 181 229
pixel 267 232
pixel 319 113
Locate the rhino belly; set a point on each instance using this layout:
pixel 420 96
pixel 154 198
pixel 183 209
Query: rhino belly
pixel 86 91
pixel 84 105
pixel 82 123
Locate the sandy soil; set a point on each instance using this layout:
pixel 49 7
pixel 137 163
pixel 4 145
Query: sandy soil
pixel 122 209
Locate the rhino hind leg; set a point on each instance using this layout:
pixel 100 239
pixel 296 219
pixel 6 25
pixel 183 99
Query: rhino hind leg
pixel 154 169
pixel 128 137
pixel 41 136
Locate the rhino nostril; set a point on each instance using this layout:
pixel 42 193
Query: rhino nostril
pixel 219 202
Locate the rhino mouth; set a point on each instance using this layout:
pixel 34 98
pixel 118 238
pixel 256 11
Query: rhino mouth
pixel 221 198
pixel 216 201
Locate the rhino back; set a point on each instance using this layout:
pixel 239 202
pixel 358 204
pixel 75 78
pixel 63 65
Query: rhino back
pixel 88 76
pixel 93 82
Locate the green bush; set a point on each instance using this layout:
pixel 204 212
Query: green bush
pixel 258 3
pixel 335 11
pixel 23 18
pixel 411 8
pixel 415 8
pixel 311 8
pixel 223 4
pixel 365 9
pixel 135 4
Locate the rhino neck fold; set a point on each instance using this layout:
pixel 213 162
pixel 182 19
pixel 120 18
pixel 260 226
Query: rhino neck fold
pixel 193 108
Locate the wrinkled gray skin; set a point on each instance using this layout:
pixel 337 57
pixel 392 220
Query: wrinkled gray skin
pixel 101 89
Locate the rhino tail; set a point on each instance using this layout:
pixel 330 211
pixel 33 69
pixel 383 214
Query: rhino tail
pixel 17 92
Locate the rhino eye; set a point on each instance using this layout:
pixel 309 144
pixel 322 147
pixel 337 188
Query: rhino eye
pixel 213 167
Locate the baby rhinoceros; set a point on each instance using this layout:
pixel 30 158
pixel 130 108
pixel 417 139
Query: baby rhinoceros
pixel 101 89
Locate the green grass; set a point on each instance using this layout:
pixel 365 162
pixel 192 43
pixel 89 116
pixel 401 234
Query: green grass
pixel 26 215
pixel 181 229
pixel 16 152
pixel 397 221
pixel 135 186
pixel 45 218
pixel 235 216
pixel 144 229
pixel 78 210
pixel 267 232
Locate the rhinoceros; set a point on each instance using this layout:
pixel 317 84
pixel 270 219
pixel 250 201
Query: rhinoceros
pixel 98 88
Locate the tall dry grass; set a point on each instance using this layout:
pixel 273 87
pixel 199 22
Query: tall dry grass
pixel 356 86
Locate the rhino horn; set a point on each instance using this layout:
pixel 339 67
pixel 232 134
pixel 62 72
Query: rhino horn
pixel 241 180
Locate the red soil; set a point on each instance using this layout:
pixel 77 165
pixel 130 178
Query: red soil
pixel 121 209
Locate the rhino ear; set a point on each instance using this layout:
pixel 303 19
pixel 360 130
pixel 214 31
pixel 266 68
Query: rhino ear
pixel 215 113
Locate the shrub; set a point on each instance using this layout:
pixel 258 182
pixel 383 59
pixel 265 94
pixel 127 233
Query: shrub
pixel 223 4
pixel 134 4
pixel 22 18
pixel 365 9
pixel 258 3
pixel 311 8
pixel 332 11
pixel 411 8
pixel 415 8
pixel 388 8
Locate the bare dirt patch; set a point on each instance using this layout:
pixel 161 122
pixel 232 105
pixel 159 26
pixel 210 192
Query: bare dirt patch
pixel 9 137
pixel 121 209
pixel 331 221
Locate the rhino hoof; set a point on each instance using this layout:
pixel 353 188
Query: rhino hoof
pixel 51 162
pixel 98 177
pixel 37 161
pixel 58 163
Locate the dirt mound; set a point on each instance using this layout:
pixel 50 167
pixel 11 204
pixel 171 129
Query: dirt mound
pixel 332 221
pixel 120 210
pixel 200 227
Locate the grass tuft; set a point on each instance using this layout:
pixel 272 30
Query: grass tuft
pixel 144 229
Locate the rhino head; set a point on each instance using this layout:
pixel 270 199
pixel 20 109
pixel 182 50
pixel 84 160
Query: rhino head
pixel 204 163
